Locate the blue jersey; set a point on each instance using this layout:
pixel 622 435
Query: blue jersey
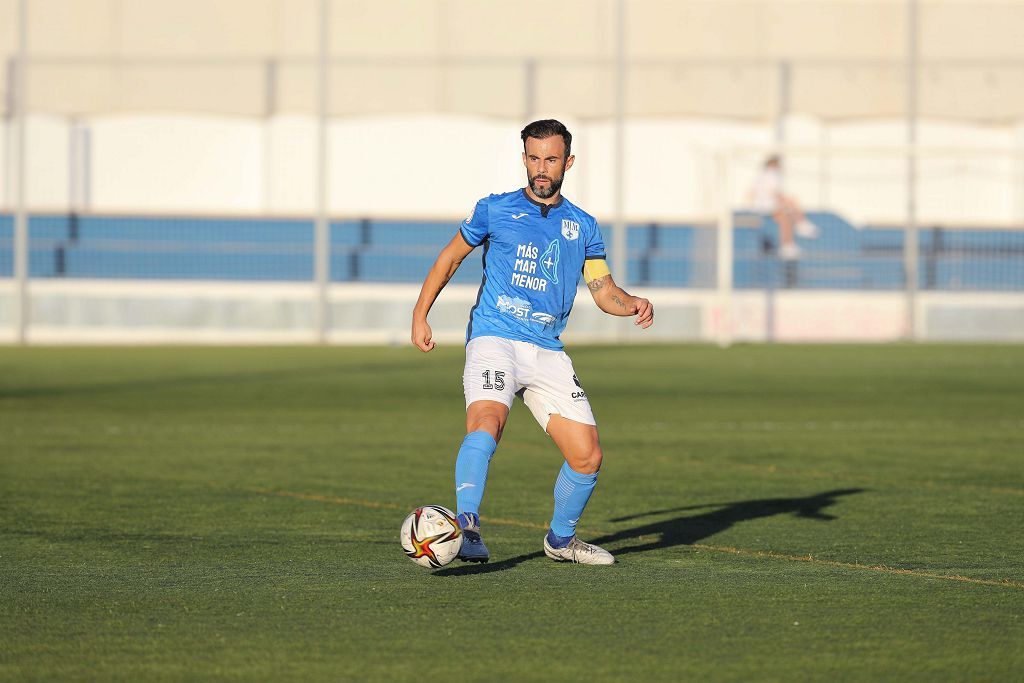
pixel 533 259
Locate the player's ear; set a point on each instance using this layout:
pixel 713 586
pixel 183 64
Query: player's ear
pixel 568 162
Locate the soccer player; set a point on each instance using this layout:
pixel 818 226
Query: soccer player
pixel 536 245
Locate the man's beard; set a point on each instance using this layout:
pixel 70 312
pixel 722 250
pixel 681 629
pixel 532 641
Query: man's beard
pixel 545 192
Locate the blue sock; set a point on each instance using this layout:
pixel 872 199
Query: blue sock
pixel 572 491
pixel 471 471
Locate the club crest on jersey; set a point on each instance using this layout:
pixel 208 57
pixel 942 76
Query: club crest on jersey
pixel 570 229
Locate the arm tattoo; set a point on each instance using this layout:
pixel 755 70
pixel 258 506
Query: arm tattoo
pixel 597 284
pixel 619 301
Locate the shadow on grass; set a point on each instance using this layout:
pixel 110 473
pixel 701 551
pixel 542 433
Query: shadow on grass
pixel 683 529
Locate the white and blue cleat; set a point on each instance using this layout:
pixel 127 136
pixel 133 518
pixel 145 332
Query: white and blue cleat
pixel 577 552
pixel 473 548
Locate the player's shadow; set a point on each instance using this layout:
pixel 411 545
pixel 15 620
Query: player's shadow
pixel 684 529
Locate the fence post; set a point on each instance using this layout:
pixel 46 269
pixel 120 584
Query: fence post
pixel 910 240
pixel 21 236
pixel 620 243
pixel 529 89
pixel 270 88
pixel 783 105
pixel 10 111
pixel 321 231
pixel 724 252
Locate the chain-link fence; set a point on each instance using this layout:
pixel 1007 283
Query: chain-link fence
pixel 149 151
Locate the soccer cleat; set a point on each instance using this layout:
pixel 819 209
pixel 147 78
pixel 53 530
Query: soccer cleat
pixel 807 229
pixel 789 252
pixel 578 552
pixel 473 548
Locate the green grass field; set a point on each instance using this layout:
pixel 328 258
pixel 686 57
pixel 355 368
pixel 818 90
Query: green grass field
pixel 779 513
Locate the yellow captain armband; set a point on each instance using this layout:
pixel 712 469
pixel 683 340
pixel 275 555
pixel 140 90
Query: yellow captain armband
pixel 594 269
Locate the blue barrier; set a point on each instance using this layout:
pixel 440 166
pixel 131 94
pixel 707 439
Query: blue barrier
pixel 840 257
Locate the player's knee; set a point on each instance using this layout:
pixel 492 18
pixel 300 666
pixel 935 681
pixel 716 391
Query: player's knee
pixel 588 461
pixel 490 422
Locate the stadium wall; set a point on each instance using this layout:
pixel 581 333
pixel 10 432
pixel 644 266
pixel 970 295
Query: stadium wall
pixel 432 166
pixel 435 167
pixel 143 312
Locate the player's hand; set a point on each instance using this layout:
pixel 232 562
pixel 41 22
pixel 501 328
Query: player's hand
pixel 644 313
pixel 422 335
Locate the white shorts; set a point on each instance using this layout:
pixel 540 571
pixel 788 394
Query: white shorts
pixel 498 369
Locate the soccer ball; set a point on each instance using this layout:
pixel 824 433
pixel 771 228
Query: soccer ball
pixel 431 537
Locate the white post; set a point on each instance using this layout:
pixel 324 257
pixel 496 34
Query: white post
pixel 782 112
pixel 321 245
pixel 910 243
pixel 270 72
pixel 824 167
pixel 1020 180
pixel 79 166
pixel 529 89
pixel 620 260
pixel 724 251
pixel 21 299
pixel 10 109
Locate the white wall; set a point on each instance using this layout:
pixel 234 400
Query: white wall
pixel 46 166
pixel 437 166
pixel 176 163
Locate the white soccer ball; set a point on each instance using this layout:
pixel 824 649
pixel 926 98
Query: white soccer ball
pixel 431 537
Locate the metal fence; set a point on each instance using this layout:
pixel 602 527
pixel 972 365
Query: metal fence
pixel 263 162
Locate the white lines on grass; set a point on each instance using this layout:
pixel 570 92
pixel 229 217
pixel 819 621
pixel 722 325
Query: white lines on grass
pixel 857 426
pixel 336 500
pixel 762 554
pixel 385 506
pixel 854 565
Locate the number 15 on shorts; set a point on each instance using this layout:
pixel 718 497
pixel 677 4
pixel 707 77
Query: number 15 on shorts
pixel 499 380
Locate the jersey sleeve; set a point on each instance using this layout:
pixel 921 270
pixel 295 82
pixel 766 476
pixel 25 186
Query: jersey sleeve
pixel 595 243
pixel 476 226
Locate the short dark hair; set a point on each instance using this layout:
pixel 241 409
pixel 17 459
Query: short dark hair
pixel 545 128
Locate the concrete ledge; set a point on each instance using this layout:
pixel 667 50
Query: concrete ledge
pixel 141 312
